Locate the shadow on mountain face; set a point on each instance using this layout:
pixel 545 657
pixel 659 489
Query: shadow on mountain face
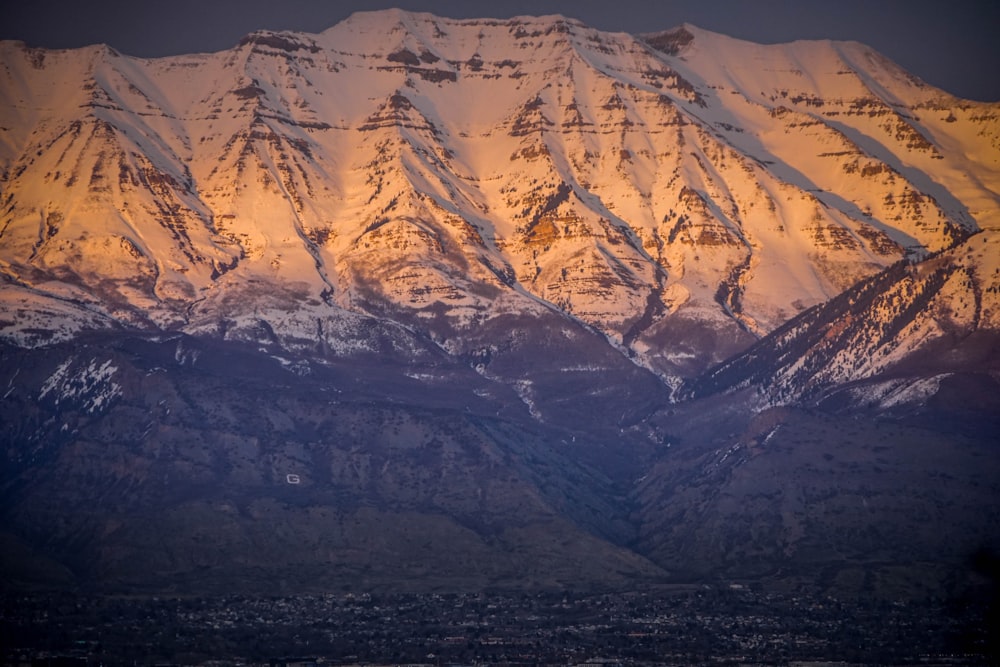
pixel 183 464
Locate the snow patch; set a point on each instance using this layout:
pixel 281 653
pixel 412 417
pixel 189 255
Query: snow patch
pixel 90 386
pixel 899 392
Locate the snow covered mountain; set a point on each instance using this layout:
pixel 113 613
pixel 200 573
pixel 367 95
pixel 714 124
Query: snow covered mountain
pixel 672 191
pixel 439 301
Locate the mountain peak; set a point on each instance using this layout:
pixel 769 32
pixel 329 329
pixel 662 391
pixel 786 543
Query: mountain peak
pixel 283 40
pixel 417 281
pixel 401 162
pixel 673 41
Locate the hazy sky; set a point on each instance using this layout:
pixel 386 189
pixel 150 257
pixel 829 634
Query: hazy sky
pixel 953 44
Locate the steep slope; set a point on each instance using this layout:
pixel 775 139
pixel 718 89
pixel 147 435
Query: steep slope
pixel 432 303
pixel 888 341
pixel 673 192
pixel 213 467
pixel 821 502
pixel 854 448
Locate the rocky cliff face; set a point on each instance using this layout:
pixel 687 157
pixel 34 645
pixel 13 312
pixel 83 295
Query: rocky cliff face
pixel 888 341
pixel 444 173
pixel 328 304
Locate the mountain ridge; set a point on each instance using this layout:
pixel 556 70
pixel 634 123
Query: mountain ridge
pixel 632 266
pixel 514 285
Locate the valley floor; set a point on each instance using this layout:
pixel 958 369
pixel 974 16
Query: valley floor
pixel 734 624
